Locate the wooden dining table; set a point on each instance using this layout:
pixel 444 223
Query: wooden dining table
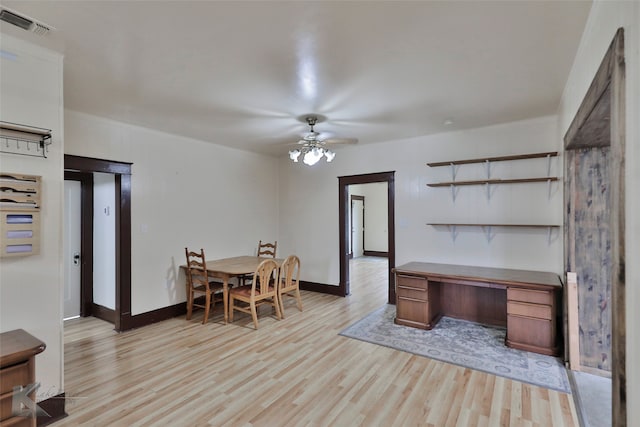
pixel 227 268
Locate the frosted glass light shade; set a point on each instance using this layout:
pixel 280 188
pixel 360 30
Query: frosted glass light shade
pixel 312 157
pixel 294 154
pixel 311 154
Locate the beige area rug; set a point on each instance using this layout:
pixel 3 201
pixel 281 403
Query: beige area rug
pixel 462 343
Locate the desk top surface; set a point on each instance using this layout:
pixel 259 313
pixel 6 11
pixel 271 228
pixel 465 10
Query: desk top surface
pixel 18 345
pixel 483 274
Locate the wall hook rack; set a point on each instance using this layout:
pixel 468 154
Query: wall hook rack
pixel 24 140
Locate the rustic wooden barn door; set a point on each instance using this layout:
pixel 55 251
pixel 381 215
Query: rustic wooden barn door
pixel 595 221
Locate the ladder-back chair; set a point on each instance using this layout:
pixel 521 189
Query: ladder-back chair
pixel 267 249
pixel 198 284
pixel 264 250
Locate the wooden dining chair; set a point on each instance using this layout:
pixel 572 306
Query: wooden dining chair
pixel 199 284
pixel 264 250
pixel 260 291
pixel 289 280
pixel 267 249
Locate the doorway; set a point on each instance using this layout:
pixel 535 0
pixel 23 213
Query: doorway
pixel 344 206
pixel 71 249
pixel 357 226
pixel 121 174
pixel 78 244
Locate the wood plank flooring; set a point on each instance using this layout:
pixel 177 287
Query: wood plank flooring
pixel 294 372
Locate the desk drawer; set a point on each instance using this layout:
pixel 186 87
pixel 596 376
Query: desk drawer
pixel 411 281
pixel 404 291
pixel 17 422
pixel 13 376
pixel 530 296
pixel 414 312
pixel 531 334
pixel 529 310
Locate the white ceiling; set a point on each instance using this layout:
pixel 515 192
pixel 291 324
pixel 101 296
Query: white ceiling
pixel 240 73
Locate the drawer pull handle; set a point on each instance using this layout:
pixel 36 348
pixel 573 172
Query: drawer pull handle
pixel 412 289
pixel 411 299
pixel 412 277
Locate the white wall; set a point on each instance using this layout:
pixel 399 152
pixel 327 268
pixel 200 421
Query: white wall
pixel 31 287
pixel 605 18
pixel 183 193
pixel 376 236
pixel 104 241
pixel 309 225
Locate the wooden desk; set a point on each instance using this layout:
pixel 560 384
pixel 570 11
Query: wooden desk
pixel 526 302
pixel 228 268
pixel 18 351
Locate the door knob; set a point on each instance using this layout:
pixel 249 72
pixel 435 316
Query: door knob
pixel 76 258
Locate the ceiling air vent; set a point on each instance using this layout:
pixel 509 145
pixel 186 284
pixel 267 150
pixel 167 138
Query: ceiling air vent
pixel 24 22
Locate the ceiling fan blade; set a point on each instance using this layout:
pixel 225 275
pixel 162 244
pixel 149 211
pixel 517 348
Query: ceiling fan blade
pixel 293 143
pixel 340 141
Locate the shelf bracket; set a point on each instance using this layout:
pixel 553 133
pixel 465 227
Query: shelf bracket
pixel 453 171
pixel 488 166
pixel 454 192
pixel 548 164
pixel 487 232
pixel 454 234
pixel 550 234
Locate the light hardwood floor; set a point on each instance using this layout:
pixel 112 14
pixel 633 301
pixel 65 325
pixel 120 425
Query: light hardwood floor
pixel 294 372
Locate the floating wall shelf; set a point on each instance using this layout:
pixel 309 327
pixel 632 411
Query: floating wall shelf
pixel 487 227
pixel 493 181
pixel 24 140
pixel 487 161
pixel 495 159
pixel 493 225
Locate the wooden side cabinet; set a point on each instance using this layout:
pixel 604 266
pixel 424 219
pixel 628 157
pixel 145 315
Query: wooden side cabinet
pixel 531 320
pixel 417 302
pixel 18 350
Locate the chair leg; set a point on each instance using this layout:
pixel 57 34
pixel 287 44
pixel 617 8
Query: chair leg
pixel 254 314
pixel 206 308
pixel 231 300
pixel 276 305
pixel 189 305
pixel 281 304
pixel 299 299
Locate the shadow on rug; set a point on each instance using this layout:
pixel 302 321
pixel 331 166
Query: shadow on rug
pixel 462 343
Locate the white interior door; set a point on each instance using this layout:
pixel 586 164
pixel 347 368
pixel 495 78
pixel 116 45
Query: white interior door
pixel 72 222
pixel 104 241
pixel 357 227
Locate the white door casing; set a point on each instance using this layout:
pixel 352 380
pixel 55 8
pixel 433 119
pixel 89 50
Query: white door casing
pixel 357 227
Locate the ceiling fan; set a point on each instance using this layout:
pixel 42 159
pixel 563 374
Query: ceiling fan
pixel 313 146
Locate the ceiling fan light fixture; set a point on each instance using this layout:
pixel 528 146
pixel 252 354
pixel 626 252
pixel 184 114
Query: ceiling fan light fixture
pixel 312 156
pixel 312 146
pixel 330 155
pixel 294 154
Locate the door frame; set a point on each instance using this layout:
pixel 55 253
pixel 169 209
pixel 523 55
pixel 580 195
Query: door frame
pixel 354 197
pixel 122 175
pixel 344 288
pixel 86 239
